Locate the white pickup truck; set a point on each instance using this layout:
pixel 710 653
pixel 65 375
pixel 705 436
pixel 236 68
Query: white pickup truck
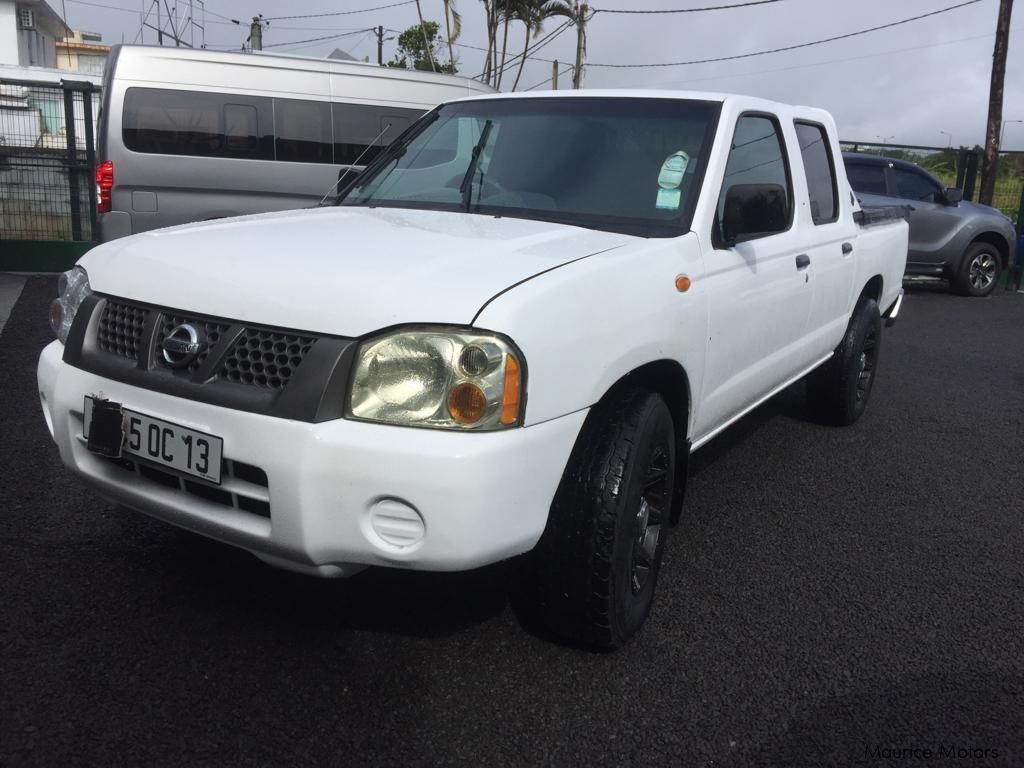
pixel 505 340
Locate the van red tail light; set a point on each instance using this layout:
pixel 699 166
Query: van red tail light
pixel 104 184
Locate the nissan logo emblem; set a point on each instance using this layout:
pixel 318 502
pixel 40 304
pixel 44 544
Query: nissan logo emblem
pixel 181 346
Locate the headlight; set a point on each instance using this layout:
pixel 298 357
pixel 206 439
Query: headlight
pixel 73 287
pixel 440 378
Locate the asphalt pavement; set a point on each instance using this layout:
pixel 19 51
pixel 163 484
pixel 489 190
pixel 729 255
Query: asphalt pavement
pixel 828 593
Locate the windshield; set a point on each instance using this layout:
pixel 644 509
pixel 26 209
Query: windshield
pixel 628 165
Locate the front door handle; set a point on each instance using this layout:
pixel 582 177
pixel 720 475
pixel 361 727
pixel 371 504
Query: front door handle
pixel 803 261
pixel 847 249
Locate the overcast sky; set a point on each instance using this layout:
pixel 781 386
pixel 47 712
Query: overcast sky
pixel 910 82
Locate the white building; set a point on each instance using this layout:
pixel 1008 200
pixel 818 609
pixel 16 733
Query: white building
pixel 29 31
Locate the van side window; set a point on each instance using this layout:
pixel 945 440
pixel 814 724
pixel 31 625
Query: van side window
pixel 241 133
pixel 302 131
pixel 356 126
pixel 758 157
pixel 820 171
pixel 169 122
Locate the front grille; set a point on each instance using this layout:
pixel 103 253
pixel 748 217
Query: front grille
pixel 212 331
pixel 250 356
pixel 265 359
pixel 241 497
pixel 281 372
pixel 120 329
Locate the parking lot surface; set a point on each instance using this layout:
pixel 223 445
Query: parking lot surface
pixel 828 591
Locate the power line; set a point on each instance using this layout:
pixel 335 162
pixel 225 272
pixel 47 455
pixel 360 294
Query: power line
pixel 549 79
pixel 316 39
pixel 689 10
pixel 529 54
pixel 837 61
pixel 788 47
pixel 341 13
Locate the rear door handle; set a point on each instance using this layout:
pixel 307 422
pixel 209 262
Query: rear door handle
pixel 847 249
pixel 803 261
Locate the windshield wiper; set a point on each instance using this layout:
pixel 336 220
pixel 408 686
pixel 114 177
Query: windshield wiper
pixel 466 187
pixel 393 151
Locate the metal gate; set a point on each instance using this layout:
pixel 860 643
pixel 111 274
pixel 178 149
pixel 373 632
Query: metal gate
pixel 47 160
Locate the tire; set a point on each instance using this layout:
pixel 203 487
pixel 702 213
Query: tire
pixel 591 578
pixel 839 390
pixel 979 271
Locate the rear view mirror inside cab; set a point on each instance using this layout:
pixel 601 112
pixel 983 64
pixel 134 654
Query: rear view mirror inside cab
pixel 753 210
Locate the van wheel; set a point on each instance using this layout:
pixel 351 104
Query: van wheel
pixel 838 391
pixel 591 578
pixel 979 271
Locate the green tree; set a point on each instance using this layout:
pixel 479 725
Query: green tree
pixel 418 48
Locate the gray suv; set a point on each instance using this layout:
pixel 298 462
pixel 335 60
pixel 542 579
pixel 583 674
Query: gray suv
pixel 967 243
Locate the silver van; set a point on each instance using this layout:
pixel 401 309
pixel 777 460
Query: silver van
pixel 190 135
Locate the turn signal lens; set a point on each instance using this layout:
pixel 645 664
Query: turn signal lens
pixel 467 403
pixel 513 385
pixel 56 315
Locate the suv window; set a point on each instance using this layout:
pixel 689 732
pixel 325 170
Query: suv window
pixel 820 171
pixel 916 186
pixel 866 178
pixel 758 156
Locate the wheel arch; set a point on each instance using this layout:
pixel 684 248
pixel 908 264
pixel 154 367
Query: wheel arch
pixel 873 289
pixel 996 240
pixel 669 380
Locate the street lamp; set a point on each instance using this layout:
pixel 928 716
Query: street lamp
pixel 885 139
pixel 1002 134
pixel 950 137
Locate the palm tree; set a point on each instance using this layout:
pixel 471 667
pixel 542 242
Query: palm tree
pixel 531 13
pixel 571 10
pixel 453 27
pixel 508 13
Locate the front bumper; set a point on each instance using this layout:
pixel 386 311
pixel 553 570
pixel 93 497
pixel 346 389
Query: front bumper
pixel 342 494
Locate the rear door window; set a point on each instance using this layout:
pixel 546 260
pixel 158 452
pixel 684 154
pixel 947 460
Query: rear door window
pixel 866 178
pixel 820 171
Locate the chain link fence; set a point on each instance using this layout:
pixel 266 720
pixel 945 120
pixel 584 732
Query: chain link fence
pixel 47 157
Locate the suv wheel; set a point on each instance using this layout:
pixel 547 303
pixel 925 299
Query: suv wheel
pixel 591 578
pixel 979 270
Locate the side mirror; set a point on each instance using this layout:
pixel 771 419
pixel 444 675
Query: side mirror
pixel 753 210
pixel 953 196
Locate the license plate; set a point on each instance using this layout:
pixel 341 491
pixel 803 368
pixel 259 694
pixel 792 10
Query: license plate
pixel 118 430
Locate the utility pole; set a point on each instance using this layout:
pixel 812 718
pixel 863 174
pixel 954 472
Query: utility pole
pixel 380 46
pixel 554 75
pixel 581 43
pixel 990 163
pixel 256 33
pixel 159 24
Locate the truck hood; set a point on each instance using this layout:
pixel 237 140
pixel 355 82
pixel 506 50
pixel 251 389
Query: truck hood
pixel 343 271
